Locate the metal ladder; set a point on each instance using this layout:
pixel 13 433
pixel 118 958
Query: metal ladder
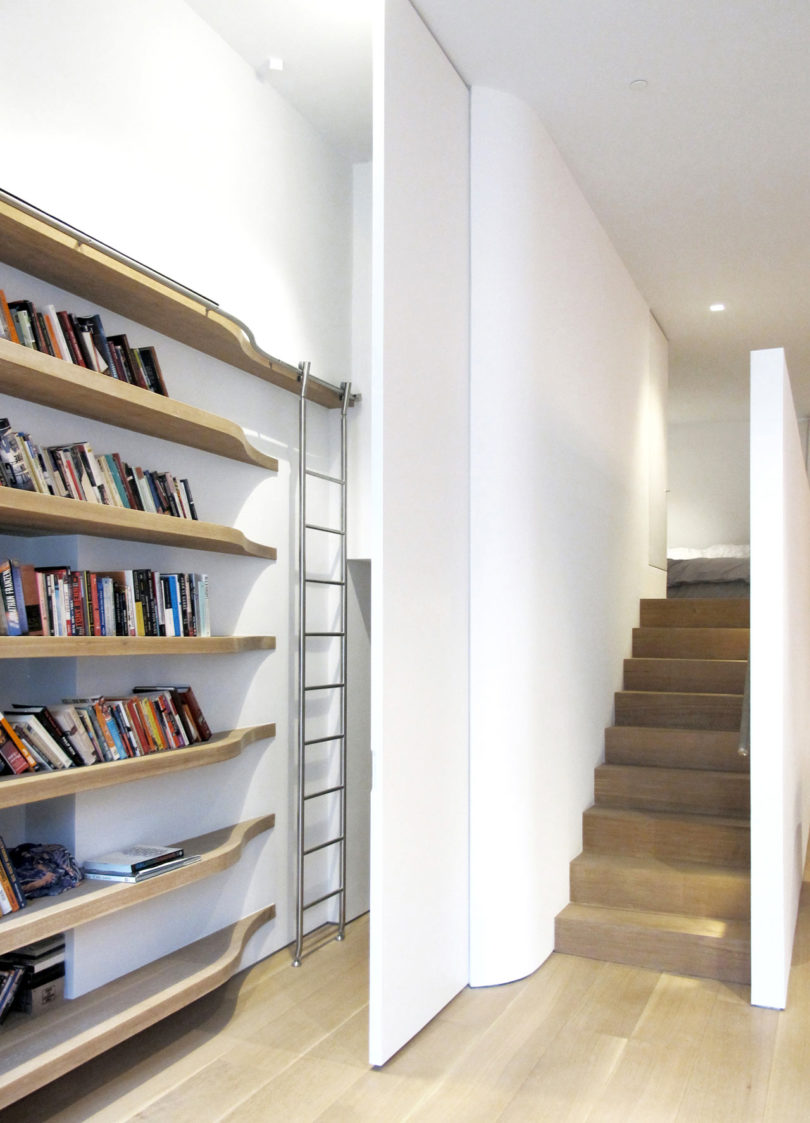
pixel 335 789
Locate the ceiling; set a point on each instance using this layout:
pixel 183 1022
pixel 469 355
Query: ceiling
pixel 701 177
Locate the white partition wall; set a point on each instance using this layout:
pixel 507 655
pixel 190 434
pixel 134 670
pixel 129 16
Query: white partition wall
pixel 780 672
pixel 560 522
pixel 419 831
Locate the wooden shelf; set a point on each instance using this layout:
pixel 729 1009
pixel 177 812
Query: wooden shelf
pixel 35 377
pixel 35 787
pixel 36 1051
pixel 90 900
pixel 29 513
pixel 63 257
pixel 100 647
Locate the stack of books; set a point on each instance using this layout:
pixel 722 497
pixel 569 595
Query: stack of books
pixel 74 471
pixel 40 969
pixel 59 601
pixel 80 340
pixel 94 729
pixel 137 863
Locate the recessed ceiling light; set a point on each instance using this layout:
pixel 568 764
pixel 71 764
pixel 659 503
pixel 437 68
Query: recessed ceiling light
pixel 639 84
pixel 269 64
pixel 717 307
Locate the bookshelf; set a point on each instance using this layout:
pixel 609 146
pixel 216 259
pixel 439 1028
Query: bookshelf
pixel 91 900
pixel 48 647
pixel 33 1052
pixel 66 258
pixel 52 382
pixel 28 512
pixel 18 791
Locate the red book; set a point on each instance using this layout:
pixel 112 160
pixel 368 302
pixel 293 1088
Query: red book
pixel 68 330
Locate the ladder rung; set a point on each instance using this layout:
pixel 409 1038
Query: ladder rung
pixel 327 686
pixel 325 897
pixel 329 479
pixel 332 635
pixel 322 581
pixel 325 529
pixel 321 740
pixel 325 791
pixel 323 845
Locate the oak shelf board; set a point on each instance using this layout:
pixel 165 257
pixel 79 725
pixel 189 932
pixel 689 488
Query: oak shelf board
pixel 35 787
pixel 28 374
pixel 95 647
pixel 36 1051
pixel 62 257
pixel 30 513
pixel 90 900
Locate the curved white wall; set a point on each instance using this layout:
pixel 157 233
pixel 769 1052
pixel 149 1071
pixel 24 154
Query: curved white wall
pixel 561 344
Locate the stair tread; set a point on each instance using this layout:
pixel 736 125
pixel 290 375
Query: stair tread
pixel 628 864
pixel 705 927
pixel 636 814
pixel 669 747
pixel 705 774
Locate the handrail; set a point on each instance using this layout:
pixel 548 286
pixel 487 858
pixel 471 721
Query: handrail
pixel 744 745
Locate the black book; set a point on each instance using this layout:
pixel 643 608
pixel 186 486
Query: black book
pixel 99 340
pixel 10 982
pixel 151 367
pixel 187 490
pixel 51 726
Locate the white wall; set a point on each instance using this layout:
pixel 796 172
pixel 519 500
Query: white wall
pixel 420 584
pixel 560 536
pixel 134 122
pixel 708 483
pixel 780 669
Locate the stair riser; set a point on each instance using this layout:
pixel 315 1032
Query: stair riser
pixel 679 711
pixel 726 895
pixel 693 840
pixel 695 613
pixel 674 952
pixel 664 789
pixel 691 643
pixel 716 750
pixel 703 676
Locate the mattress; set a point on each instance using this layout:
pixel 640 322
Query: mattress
pixel 716 571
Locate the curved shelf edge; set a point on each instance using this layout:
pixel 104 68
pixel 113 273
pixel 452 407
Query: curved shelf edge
pixel 17 790
pixel 33 1055
pixel 37 244
pixel 28 512
pixel 48 381
pixel 90 900
pixel 105 647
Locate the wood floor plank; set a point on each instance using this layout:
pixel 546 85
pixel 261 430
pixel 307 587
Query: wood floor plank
pixel 568 1080
pixel 739 1044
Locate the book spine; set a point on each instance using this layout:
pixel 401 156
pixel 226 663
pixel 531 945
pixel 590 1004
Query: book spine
pixel 11 874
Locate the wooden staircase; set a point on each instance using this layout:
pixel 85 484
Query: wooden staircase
pixel 663 880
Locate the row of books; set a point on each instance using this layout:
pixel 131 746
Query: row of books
pixel 74 471
pixel 59 601
pixel 39 969
pixel 80 340
pixel 12 898
pixel 85 731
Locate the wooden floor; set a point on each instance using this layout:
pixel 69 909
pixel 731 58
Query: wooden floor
pixel 578 1040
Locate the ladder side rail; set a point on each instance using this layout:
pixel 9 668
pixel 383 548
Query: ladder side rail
pixel 302 661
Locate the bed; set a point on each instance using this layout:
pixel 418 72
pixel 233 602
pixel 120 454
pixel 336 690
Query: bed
pixel 715 571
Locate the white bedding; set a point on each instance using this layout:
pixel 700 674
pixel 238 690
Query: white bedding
pixel 722 570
